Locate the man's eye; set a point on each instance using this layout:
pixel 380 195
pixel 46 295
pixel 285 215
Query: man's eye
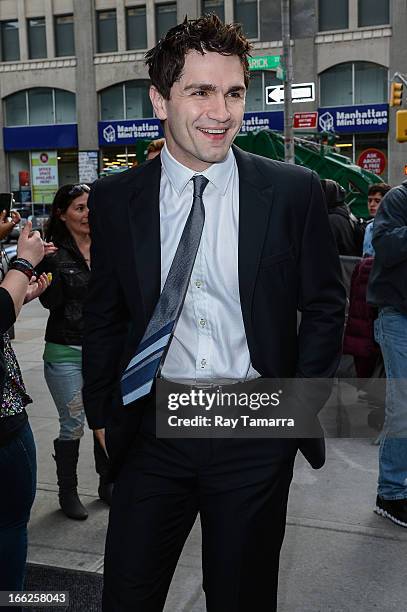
pixel 235 94
pixel 200 92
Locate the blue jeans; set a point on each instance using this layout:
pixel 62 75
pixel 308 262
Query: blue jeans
pixel 18 469
pixel 65 382
pixel 391 334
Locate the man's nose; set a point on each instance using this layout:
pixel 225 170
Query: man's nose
pixel 218 109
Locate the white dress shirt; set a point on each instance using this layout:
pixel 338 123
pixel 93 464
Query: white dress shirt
pixel 209 340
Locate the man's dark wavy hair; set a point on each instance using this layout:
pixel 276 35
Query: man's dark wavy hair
pixel 381 188
pixel 166 60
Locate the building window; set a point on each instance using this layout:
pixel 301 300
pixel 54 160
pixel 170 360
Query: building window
pixel 40 106
pixel 137 100
pixel 129 100
pixel 16 109
pixel 10 47
pixel 165 18
pixel 112 103
pixel 37 40
pixel 214 6
pixel 370 83
pixel 353 83
pixel 246 13
pixel 64 36
pixel 67 167
pixel 106 31
pixel 19 167
pixel 136 26
pixel 372 13
pixel 256 92
pixel 333 15
pixel 336 86
pixel 65 106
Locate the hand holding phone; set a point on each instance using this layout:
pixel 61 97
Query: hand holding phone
pixel 6 201
pixel 6 226
pixel 30 245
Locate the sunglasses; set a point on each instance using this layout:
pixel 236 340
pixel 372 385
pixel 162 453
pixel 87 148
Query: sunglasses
pixel 78 190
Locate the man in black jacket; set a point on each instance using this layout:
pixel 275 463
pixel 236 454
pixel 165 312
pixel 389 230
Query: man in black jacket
pixel 388 290
pixel 346 228
pixel 265 251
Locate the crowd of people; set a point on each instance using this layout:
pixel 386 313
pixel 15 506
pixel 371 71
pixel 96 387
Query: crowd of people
pixel 60 280
pixel 376 328
pixel 115 324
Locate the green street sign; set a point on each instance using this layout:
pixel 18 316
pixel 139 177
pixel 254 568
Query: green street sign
pixel 264 62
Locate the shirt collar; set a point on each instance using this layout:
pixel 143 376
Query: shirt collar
pixel 179 175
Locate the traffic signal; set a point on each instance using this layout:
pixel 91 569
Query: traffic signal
pixel 396 93
pixel 401 126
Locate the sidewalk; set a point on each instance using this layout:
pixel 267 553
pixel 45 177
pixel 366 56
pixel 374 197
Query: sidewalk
pixel 337 556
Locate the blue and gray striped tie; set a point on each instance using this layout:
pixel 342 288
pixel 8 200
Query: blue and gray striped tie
pixel 140 373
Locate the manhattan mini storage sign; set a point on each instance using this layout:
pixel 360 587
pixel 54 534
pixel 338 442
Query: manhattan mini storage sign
pixel 113 133
pixel 354 119
pixel 126 132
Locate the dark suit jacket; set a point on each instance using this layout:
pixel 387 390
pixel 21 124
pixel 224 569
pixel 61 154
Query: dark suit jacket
pixel 287 261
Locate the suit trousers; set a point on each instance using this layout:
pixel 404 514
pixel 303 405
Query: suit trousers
pixel 239 487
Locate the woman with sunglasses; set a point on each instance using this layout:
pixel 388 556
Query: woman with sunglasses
pixel 68 229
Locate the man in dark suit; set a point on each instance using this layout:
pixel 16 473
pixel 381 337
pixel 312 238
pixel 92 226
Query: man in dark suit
pixel 263 250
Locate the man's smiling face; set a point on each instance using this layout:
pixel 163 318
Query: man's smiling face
pixel 205 109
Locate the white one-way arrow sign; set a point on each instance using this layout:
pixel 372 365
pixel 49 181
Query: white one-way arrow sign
pixel 301 92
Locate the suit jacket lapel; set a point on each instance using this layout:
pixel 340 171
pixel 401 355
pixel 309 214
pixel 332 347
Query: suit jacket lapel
pixel 144 215
pixel 255 201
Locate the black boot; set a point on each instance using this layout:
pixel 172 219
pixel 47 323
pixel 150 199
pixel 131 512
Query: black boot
pixel 66 457
pixel 105 488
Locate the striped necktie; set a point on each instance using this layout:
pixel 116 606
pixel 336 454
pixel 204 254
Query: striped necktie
pixel 140 373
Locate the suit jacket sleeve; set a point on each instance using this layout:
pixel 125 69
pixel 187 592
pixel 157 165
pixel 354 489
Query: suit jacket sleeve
pixel 105 316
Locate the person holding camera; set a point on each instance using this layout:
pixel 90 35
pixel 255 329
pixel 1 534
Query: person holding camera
pixel 17 448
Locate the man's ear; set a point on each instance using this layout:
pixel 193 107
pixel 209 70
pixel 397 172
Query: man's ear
pixel 158 103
